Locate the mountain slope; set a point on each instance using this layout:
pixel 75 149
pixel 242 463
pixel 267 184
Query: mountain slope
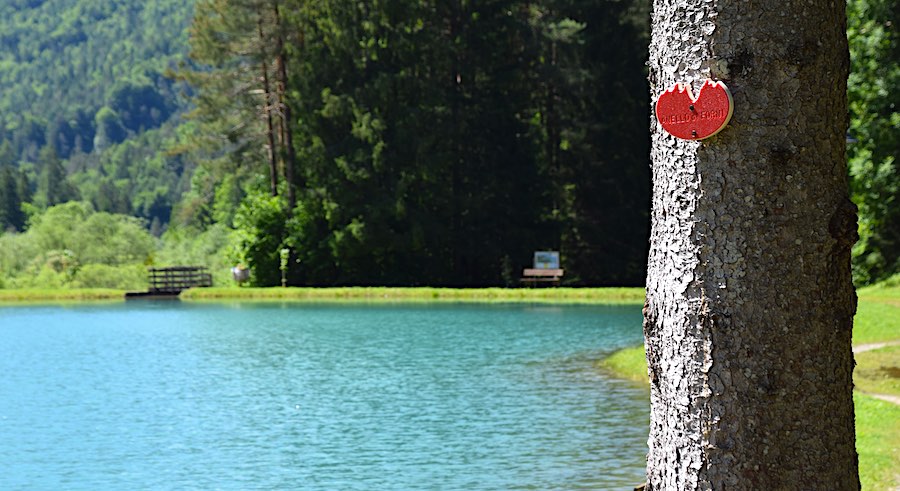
pixel 62 62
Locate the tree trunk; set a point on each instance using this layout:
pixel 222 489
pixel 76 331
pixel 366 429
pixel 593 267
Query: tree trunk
pixel 749 297
pixel 267 111
pixel 290 158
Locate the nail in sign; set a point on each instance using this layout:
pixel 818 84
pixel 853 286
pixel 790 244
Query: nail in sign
pixel 690 118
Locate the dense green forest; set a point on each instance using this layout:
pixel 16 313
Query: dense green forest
pixel 87 110
pixel 392 143
pixel 874 148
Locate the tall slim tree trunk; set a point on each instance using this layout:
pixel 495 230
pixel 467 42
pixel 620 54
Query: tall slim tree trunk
pixel 267 111
pixel 551 119
pixel 457 159
pixel 290 158
pixel 749 297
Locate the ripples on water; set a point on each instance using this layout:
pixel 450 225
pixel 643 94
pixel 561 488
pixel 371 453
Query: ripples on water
pixel 165 395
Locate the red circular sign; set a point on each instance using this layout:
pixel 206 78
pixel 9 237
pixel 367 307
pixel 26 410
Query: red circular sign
pixel 691 118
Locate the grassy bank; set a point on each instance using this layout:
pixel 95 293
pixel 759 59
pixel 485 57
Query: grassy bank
pixel 877 371
pixel 886 291
pixel 877 442
pixel 628 363
pixel 876 321
pixel 425 294
pixel 361 294
pixel 60 295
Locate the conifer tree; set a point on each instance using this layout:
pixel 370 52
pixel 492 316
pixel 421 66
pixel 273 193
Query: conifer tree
pixel 11 214
pixel 53 186
pixel 750 302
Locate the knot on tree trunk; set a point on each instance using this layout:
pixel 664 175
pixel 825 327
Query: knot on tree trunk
pixel 842 225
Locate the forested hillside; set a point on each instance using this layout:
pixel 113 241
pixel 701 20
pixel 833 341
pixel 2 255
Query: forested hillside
pixel 394 143
pixel 85 95
pixel 80 72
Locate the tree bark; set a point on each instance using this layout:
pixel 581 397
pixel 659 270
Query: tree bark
pixel 749 298
pixel 267 111
pixel 290 157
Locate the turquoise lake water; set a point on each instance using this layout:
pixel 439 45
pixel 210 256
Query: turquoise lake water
pixel 171 395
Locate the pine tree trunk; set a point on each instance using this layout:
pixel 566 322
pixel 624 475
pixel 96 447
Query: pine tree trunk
pixel 290 157
pixel 749 297
pixel 267 111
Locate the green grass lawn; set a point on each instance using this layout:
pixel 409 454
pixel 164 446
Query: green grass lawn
pixel 877 371
pixel 628 363
pixel 877 442
pixel 425 294
pixel 876 321
pixel 886 290
pixel 60 295
pixel 352 294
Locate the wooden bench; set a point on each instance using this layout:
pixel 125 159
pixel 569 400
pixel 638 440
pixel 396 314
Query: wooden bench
pixel 533 276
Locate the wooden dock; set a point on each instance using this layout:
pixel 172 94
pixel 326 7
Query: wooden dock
pixel 171 281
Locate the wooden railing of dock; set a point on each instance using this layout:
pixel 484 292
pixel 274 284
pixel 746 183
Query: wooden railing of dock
pixel 173 280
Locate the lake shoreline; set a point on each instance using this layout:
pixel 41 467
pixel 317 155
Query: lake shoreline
pixel 565 295
pixel 49 295
pixel 612 295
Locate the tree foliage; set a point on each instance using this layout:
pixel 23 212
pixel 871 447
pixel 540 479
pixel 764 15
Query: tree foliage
pixel 435 142
pixel 72 245
pixel 407 142
pixel 14 190
pixel 874 154
pixel 86 111
pixel 61 62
